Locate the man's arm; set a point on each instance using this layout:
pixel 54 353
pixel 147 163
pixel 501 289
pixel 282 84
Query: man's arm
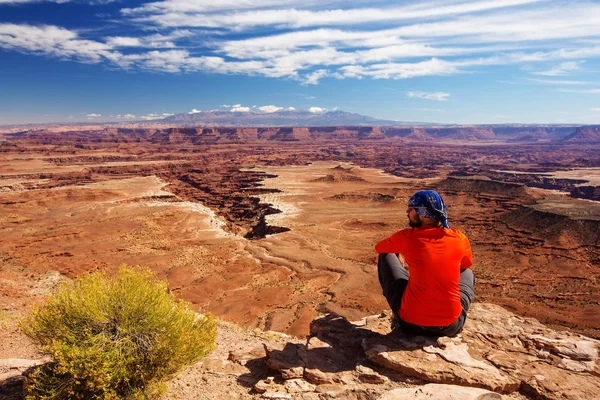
pixel 467 260
pixel 390 244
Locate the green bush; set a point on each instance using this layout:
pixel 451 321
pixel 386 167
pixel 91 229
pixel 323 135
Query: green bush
pixel 114 337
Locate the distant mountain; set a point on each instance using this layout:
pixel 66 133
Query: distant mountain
pixel 584 135
pixel 287 118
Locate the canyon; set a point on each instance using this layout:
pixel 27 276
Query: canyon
pixel 270 227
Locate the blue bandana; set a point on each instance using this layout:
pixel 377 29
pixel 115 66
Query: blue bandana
pixel 429 204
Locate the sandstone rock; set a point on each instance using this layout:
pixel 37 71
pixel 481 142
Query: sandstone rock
pixel 550 364
pixel 298 386
pixel 276 395
pixel 440 392
pixel 12 367
pixel 329 388
pixel 444 362
pixel 261 386
pixel 367 375
pixel 497 351
pixel 288 361
pixel 292 373
pixel 318 377
pixel 242 357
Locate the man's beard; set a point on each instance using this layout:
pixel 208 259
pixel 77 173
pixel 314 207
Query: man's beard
pixel 415 224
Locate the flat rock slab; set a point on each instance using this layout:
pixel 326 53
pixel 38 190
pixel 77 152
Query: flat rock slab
pixel 498 351
pixel 441 362
pixel 441 392
pixel 11 367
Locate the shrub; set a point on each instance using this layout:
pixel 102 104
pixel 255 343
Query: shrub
pixel 114 337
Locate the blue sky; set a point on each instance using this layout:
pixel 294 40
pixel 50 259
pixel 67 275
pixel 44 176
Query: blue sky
pixel 450 61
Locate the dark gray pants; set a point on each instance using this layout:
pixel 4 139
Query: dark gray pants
pixel 393 278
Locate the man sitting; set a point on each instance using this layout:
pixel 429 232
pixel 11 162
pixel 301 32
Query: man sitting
pixel 432 295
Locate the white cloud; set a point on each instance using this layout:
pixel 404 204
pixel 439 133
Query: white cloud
pixel 316 110
pixel 562 69
pixel 201 6
pixel 126 116
pixel 194 111
pixel 401 70
pixel 341 39
pixel 166 115
pixel 438 96
pixel 291 109
pixel 582 91
pixel 199 15
pixel 52 41
pixel 313 77
pixel 557 82
pixel 93 115
pixel 270 109
pixel 151 117
pixel 121 41
pixel 239 108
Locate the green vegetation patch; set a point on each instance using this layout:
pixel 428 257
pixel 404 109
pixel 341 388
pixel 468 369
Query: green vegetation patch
pixel 114 337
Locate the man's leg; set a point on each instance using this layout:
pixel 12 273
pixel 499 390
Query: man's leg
pixel 393 278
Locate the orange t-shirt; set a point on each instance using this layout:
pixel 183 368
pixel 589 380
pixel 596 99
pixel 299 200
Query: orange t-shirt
pixel 434 257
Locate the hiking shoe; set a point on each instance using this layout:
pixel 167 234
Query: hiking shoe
pixel 395 322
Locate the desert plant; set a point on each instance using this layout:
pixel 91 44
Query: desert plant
pixel 114 337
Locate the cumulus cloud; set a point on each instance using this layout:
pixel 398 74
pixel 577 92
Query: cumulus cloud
pixel 316 110
pixel 239 108
pixel 291 109
pixel 437 96
pixel 194 111
pixel 126 116
pixel 92 115
pixel 269 109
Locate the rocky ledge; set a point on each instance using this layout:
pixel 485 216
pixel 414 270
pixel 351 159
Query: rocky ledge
pixel 498 356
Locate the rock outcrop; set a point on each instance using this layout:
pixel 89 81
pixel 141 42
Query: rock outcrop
pixel 498 353
pixel 584 135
